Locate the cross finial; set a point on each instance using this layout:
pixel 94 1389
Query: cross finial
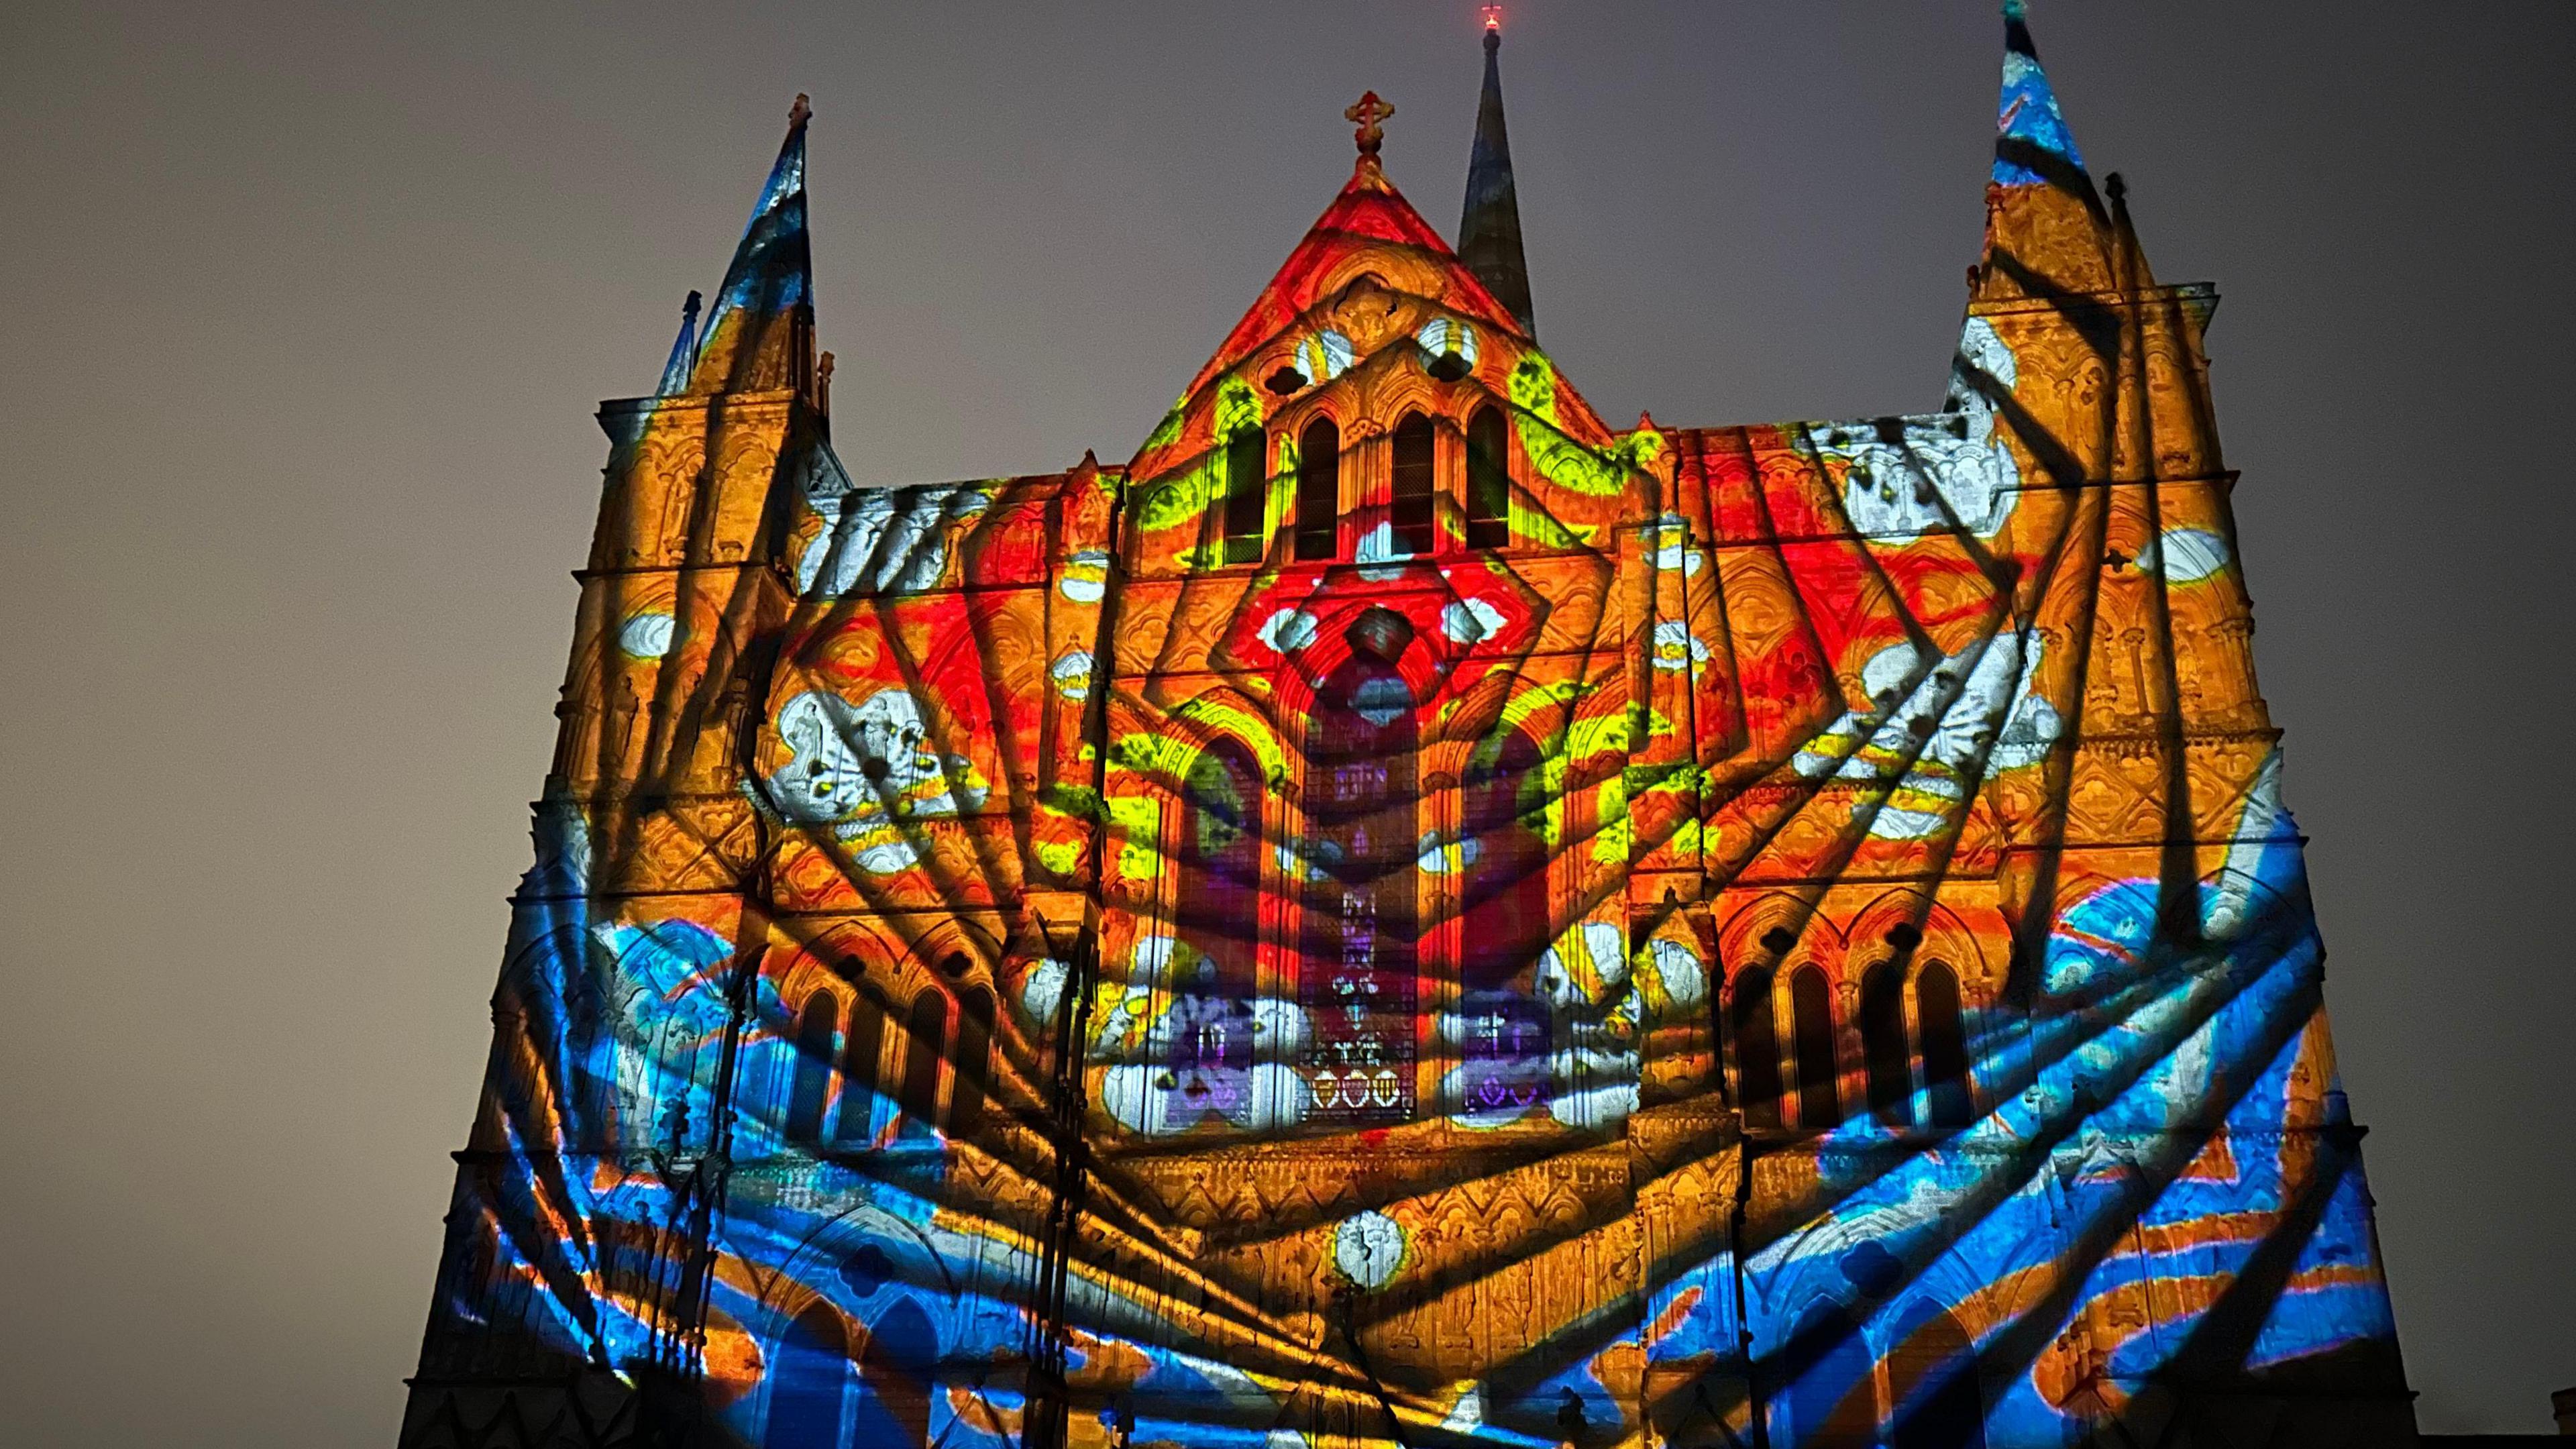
pixel 1369 112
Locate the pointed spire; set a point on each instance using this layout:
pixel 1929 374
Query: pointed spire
pixel 1489 229
pixel 760 333
pixel 2032 145
pixel 684 350
pixel 2047 233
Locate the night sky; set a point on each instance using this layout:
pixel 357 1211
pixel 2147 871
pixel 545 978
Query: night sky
pixel 308 307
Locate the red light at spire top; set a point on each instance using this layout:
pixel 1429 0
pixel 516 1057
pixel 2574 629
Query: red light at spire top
pixel 1493 17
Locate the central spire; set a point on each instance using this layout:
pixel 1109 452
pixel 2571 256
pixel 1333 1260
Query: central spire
pixel 1489 231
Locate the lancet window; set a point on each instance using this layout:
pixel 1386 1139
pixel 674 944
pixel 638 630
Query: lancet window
pixel 1882 1040
pixel 925 1042
pixel 1931 1367
pixel 1811 1011
pixel 1945 1047
pixel 1247 488
pixel 1835 1398
pixel 1754 1024
pixel 1361 855
pixel 1489 480
pixel 1415 478
pixel 1319 490
pixel 810 1379
pixel 810 1090
pixel 974 1060
pixel 1217 914
pixel 1503 928
pixel 860 1045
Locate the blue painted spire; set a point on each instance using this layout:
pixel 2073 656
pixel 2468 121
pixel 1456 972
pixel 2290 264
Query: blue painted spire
pixel 1489 231
pixel 2032 145
pixel 684 350
pixel 750 341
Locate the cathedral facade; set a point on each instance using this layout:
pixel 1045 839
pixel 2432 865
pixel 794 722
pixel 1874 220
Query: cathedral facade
pixel 1407 914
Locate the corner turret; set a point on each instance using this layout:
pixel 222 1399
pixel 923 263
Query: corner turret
pixel 760 336
pixel 2047 233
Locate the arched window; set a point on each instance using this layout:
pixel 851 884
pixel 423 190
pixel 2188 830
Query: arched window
pixel 859 1048
pixel 1932 1382
pixel 811 1092
pixel 1319 490
pixel 1504 927
pixel 1362 854
pixel 899 1373
pixel 1489 480
pixel 974 1060
pixel 1811 1010
pixel 1945 1046
pixel 1757 1048
pixel 1410 513
pixel 1246 493
pixel 1833 1402
pixel 1218 903
pixel 1217 908
pixel 1882 1041
pixel 925 1042
pixel 808 1380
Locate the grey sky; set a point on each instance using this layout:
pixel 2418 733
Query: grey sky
pixel 309 304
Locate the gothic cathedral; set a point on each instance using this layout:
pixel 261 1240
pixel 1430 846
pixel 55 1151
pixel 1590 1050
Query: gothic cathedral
pixel 1408 915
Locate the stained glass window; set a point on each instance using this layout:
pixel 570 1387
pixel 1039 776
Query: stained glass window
pixel 1362 855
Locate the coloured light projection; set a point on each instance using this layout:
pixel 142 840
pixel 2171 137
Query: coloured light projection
pixel 1407 915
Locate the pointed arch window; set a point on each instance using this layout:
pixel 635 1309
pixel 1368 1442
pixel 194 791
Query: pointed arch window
pixel 898 1376
pixel 1410 511
pixel 925 1042
pixel 1217 907
pixel 811 1376
pixel 810 1089
pixel 1246 494
pixel 1319 490
pixel 1932 1392
pixel 1754 1025
pixel 1833 1402
pixel 1504 927
pixel 1945 1046
pixel 1811 1011
pixel 860 1046
pixel 1362 855
pixel 1489 480
pixel 974 1060
pixel 1218 903
pixel 1882 1041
